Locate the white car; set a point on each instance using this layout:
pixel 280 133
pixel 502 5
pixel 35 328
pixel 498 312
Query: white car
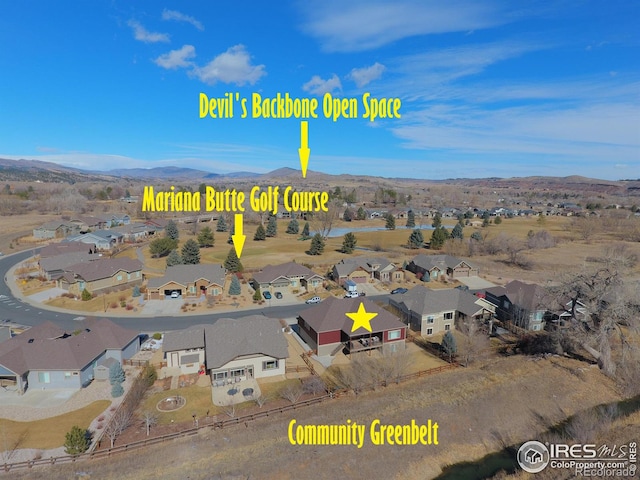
pixel 351 295
pixel 175 294
pixel 314 300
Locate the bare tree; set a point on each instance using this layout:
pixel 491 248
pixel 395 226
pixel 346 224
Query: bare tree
pixel 393 365
pixel 118 424
pixel 314 385
pixel 322 222
pixel 292 393
pixel 260 400
pixel 149 419
pixel 474 342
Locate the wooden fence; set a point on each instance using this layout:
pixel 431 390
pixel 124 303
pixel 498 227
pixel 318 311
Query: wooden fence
pixel 99 454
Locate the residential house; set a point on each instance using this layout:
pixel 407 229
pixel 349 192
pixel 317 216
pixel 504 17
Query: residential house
pixel 135 232
pixel 522 304
pixel 286 275
pixel 433 311
pixel 248 347
pixel 362 269
pixel 188 281
pixel 101 274
pixel 46 356
pixel 115 219
pixel 54 229
pixel 53 268
pixel 435 266
pixel 102 239
pixel 87 223
pixel 54 249
pixel 327 329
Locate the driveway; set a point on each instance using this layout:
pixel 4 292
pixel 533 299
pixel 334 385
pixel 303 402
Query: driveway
pixel 37 398
pixel 475 283
pixel 162 307
pixel 48 294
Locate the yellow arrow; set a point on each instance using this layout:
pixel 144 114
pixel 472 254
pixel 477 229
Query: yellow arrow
pixel 237 237
pixel 304 151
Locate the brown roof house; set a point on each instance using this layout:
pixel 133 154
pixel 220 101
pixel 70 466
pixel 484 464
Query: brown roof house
pixel 523 304
pixel 53 268
pixel 188 281
pixel 433 311
pixel 247 347
pixel 326 327
pixel 101 274
pixel 55 249
pixel 286 275
pixel 55 229
pixel 436 266
pixel 361 269
pixel 46 356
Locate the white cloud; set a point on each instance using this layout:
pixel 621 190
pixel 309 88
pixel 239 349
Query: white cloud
pixel 142 34
pixel 233 66
pixel 367 24
pixel 318 86
pixel 177 58
pixel 181 17
pixel 366 75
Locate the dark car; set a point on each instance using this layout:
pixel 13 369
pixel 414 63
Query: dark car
pixel 278 295
pixel 362 294
pixel 399 290
pixel 266 295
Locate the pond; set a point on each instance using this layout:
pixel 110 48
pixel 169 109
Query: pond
pixel 339 232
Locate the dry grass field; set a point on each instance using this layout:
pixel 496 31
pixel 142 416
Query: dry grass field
pixel 478 409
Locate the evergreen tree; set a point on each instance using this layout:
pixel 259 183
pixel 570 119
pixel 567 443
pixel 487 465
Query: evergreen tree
pixel 76 441
pixel 205 238
pixel 305 231
pixel 498 220
pixel 232 232
pixel 391 222
pixel 349 243
pixel 136 291
pixel 293 227
pixel 457 232
pixel 317 245
pixel 116 373
pixel 448 345
pixel 86 295
pixel 235 288
pixel 348 215
pixel 222 224
pixel 117 390
pixel 361 215
pixel 272 227
pixel 485 219
pixel 256 295
pixel 232 262
pixel 477 236
pixel 174 258
pixel 438 237
pixel 411 219
pixel 437 220
pixel 191 252
pixel 260 233
pixel 161 247
pixel 416 240
pixel 171 230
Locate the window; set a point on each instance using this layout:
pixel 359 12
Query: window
pixel 270 365
pixel 220 376
pixel 43 377
pixel 430 319
pixel 237 373
pixel 119 277
pixel 448 316
pixel 447 327
pixel 536 327
pixel 67 375
pixel 394 334
pixel 429 331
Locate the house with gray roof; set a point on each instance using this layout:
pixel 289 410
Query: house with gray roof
pixel 102 239
pixel 523 304
pixel 188 281
pixel 247 347
pixel 327 328
pixel 436 266
pixel 363 269
pixel 61 248
pixel 433 311
pixel 53 268
pixel 286 275
pixel 46 356
pixel 101 274
pixel 54 229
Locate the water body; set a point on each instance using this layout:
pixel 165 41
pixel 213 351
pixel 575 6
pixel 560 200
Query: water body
pixel 340 232
pixel 505 459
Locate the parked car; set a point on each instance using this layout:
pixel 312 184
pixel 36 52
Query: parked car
pixel 175 294
pixel 314 300
pixel 278 295
pixel 266 295
pixel 362 294
pixel 351 295
pixel 399 290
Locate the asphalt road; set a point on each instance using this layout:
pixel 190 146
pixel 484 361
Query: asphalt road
pixel 15 310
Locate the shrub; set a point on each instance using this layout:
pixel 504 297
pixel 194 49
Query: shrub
pixel 113 305
pixel 76 441
pixel 157 336
pixel 86 295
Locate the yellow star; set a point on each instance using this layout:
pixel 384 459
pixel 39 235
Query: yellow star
pixel 361 318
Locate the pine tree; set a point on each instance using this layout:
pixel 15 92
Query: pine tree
pixel 272 227
pixel 205 238
pixel 317 245
pixel 260 233
pixel 117 390
pixel 348 215
pixel 171 230
pixel 416 239
pixel 116 373
pixel 222 224
pixel 349 243
pixel 305 231
pixel 457 232
pixel 411 219
pixel 232 262
pixel 391 222
pixel 485 219
pixel 293 227
pixel 191 252
pixel 361 215
pixel 256 295
pixel 477 236
pixel 232 232
pixel 136 291
pixel 161 247
pixel 437 220
pixel 448 345
pixel 498 220
pixel 235 288
pixel 76 441
pixel 86 295
pixel 174 258
pixel 438 237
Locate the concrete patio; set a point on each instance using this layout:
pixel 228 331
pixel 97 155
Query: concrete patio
pixel 234 392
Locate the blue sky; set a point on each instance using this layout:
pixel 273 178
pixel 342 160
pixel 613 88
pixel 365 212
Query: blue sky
pixel 488 88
